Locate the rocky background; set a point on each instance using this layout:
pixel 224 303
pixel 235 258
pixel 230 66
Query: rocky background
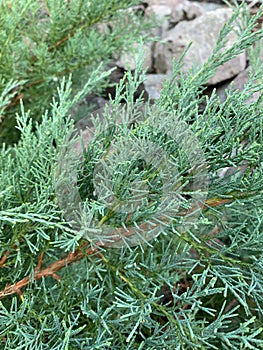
pixel 182 22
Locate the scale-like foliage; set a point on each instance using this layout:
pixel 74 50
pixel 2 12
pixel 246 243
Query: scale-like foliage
pixel 197 284
pixel 41 41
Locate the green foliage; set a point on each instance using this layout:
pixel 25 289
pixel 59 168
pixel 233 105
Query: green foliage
pixel 41 41
pixel 198 284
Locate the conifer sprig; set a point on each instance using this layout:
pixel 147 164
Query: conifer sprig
pixel 197 284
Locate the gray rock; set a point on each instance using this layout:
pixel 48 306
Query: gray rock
pixel 238 84
pixel 159 10
pixel 163 13
pixel 153 85
pixel 203 32
pixel 241 80
pixel 127 59
pixel 211 6
pixel 191 9
pixel 170 12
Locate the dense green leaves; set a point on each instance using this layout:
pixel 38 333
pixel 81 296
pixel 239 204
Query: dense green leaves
pixel 198 283
pixel 41 41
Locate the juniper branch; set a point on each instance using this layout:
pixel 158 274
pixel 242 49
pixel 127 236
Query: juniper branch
pixel 80 253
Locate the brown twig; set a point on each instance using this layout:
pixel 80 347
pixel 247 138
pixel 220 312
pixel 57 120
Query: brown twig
pixel 50 270
pixel 4 258
pixel 40 260
pixel 79 254
pixel 231 305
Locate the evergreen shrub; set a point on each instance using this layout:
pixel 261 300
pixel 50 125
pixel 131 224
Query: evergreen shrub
pixel 41 41
pixel 139 259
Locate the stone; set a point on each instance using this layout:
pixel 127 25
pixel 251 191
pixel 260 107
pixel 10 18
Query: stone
pixel 241 80
pixel 153 85
pixel 114 79
pixel 127 59
pixel 211 6
pixel 238 84
pixel 170 12
pixel 160 11
pixel 192 10
pixel 203 33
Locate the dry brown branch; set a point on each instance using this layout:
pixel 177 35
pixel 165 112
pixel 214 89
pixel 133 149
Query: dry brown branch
pixel 231 305
pixel 4 258
pixel 50 270
pixel 80 253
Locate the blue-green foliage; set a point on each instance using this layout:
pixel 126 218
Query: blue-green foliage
pixel 198 285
